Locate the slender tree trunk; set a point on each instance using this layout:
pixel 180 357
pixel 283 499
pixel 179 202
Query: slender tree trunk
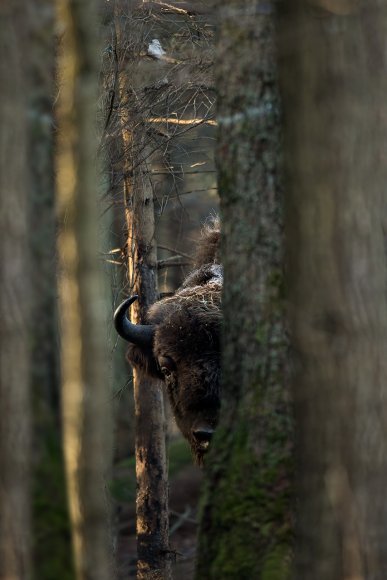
pixel 151 465
pixel 152 523
pixel 85 386
pixel 335 83
pixel 15 432
pixel 246 526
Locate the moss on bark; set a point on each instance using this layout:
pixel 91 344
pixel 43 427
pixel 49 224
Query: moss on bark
pixel 246 527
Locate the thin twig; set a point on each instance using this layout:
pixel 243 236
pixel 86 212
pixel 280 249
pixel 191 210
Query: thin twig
pixel 177 253
pixel 182 519
pixel 166 264
pixel 193 191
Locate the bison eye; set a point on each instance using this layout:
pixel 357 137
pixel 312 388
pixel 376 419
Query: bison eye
pixel 166 365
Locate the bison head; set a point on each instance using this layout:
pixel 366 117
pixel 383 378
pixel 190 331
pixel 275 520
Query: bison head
pixel 180 346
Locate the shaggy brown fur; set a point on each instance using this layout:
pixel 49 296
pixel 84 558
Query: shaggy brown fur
pixel 208 249
pixel 186 345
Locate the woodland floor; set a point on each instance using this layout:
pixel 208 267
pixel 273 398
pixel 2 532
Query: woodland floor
pixel 183 501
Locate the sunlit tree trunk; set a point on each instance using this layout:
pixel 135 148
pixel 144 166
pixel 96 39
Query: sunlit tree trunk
pixel 152 522
pixel 15 432
pixel 49 517
pixel 246 525
pixel 151 466
pixel 334 70
pixel 85 387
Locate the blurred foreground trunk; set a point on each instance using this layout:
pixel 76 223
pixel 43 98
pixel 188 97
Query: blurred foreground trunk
pixel 334 73
pixel 51 557
pixel 246 526
pixel 15 432
pixel 86 394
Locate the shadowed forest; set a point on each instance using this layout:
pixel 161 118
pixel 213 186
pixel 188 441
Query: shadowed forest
pixel 193 305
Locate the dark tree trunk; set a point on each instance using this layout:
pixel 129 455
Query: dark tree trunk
pixel 15 431
pixel 42 206
pixel 50 518
pixel 334 73
pixel 246 521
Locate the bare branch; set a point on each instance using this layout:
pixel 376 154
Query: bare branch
pixel 179 254
pixel 166 263
pixel 176 121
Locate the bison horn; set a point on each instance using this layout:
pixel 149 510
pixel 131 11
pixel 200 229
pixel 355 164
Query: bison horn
pixel 139 334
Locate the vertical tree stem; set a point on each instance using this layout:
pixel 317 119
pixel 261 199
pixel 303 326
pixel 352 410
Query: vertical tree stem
pixel 15 433
pixel 246 529
pixel 334 74
pixel 151 463
pixel 85 385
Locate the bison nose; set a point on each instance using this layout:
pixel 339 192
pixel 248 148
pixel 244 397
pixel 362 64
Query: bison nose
pixel 203 435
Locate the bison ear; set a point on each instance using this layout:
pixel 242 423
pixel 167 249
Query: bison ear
pixel 144 361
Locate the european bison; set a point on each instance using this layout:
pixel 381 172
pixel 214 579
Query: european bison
pixel 180 344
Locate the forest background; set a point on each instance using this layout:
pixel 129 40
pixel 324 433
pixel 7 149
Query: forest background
pixel 112 115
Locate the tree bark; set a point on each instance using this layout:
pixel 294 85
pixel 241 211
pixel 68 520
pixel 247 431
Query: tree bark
pixel 152 524
pixel 85 384
pixel 42 203
pixel 246 525
pixel 51 542
pixel 15 431
pixel 334 91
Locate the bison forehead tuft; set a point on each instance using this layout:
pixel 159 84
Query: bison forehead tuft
pixel 186 328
